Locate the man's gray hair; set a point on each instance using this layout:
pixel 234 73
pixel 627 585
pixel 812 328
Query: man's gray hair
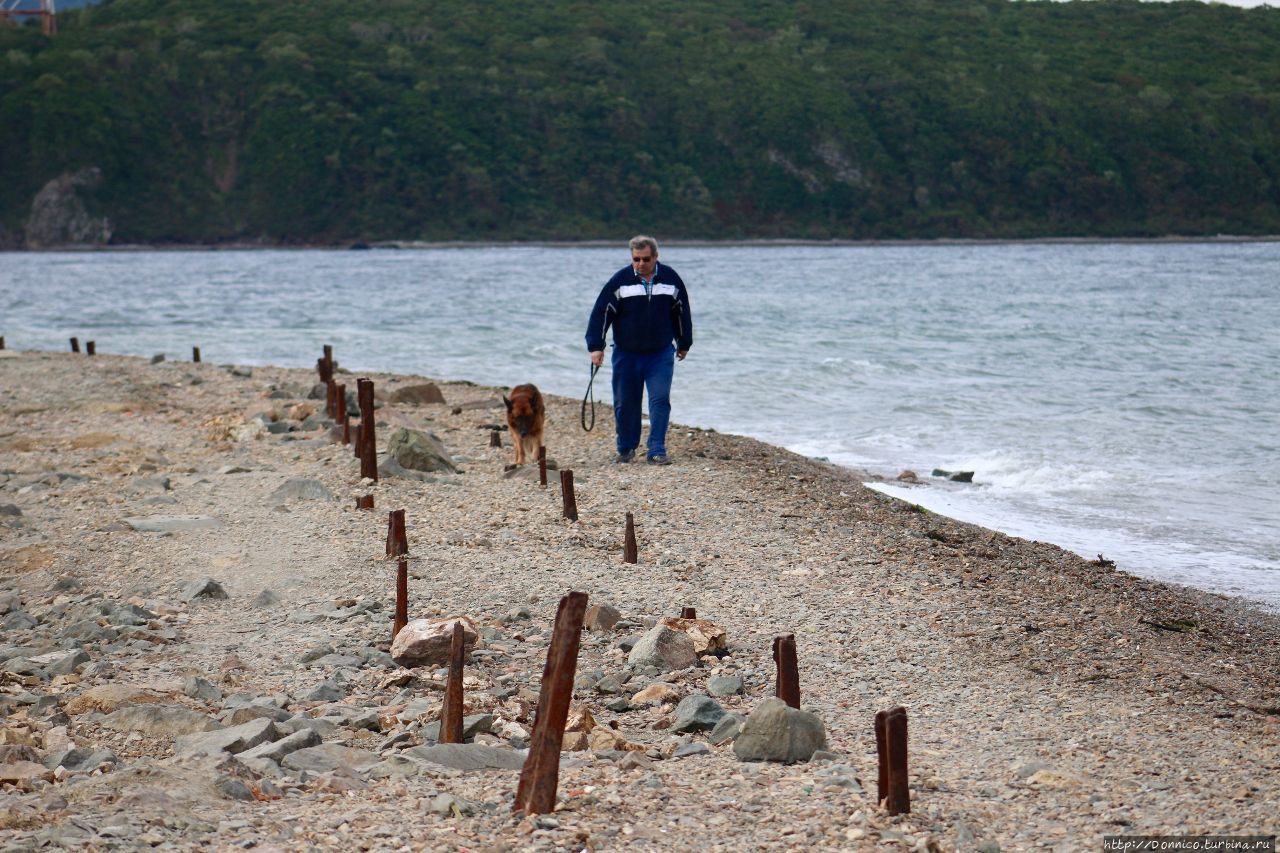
pixel 640 241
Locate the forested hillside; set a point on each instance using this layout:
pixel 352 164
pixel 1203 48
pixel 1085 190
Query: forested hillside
pixel 325 121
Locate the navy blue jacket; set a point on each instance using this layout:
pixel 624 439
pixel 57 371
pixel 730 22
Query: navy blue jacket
pixel 642 322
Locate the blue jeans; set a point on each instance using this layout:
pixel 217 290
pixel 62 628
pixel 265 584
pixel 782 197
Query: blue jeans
pixel 633 372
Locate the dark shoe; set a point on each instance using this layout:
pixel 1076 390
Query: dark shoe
pixel 623 458
pixel 659 459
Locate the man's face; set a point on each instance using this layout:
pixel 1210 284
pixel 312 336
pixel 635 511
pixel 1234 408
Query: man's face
pixel 644 260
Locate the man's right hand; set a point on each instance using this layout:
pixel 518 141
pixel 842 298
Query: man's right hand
pixel 597 357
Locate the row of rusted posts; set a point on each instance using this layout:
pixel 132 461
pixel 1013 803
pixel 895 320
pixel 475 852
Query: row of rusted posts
pixel 362 437
pixel 539 778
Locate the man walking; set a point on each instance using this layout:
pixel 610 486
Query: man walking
pixel 648 308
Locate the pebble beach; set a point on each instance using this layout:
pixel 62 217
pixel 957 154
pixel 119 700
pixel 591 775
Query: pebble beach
pixel 181 555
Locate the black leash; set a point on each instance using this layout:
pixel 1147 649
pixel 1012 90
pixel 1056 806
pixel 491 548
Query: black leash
pixel 592 399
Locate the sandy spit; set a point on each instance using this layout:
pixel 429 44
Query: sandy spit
pixel 1052 701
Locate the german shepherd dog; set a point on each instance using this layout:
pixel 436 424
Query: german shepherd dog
pixel 525 417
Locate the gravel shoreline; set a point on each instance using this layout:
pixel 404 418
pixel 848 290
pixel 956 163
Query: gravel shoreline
pixel 1052 701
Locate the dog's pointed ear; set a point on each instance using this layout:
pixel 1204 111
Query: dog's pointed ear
pixel 508 402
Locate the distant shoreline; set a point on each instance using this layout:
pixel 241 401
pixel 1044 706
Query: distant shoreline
pixel 781 242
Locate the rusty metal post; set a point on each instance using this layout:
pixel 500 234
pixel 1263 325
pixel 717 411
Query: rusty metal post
pixel 882 754
pixel 195 355
pixel 495 440
pixel 542 466
pixel 566 492
pixel 90 348
pixel 536 793
pixel 629 541
pixel 368 442
pixel 340 410
pixel 402 595
pixel 324 365
pixel 355 441
pixel 397 539
pixel 688 613
pixel 330 404
pixel 1 341
pixel 898 794
pixel 75 345
pixel 451 713
pixel 787 683
pixel 364 502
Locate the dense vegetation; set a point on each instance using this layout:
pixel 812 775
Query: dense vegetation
pixel 504 119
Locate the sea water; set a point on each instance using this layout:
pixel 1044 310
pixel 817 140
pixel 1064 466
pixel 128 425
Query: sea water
pixel 1115 399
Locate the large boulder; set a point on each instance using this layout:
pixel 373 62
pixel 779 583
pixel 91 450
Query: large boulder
pixel 425 643
pixel 774 731
pixel 417 394
pixel 419 451
pixel 664 648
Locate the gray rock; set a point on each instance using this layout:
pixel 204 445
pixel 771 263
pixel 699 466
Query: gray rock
pixel 727 728
pixel 172 523
pixel 60 663
pixel 301 489
pixel 266 598
pixel 277 750
pixel 316 652
pixel 725 685
pixel 691 749
pixel 610 684
pixel 235 739
pixel 324 728
pixel 329 690
pixel 249 713
pixel 776 732
pixel 80 759
pixel 328 757
pixel 157 358
pixel 87 630
pixel 419 451
pixel 203 588
pixel 395 765
pixel 234 789
pixel 166 720
pixel 471 726
pixel 338 660
pixel 201 688
pixel 696 713
pixel 663 649
pixel 10 510
pixel 468 756
pixel 601 617
pixel 19 620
